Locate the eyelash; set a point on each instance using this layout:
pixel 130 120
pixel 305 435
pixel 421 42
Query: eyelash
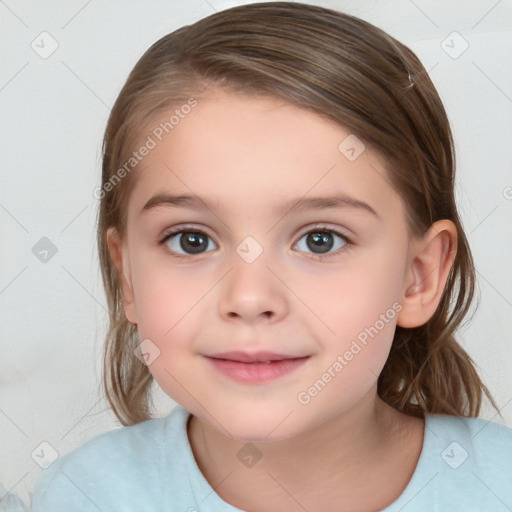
pixel 313 256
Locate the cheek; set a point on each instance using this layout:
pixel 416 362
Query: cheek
pixel 350 298
pixel 163 308
pixel 166 297
pixel 353 358
pixel 358 307
pixel 168 302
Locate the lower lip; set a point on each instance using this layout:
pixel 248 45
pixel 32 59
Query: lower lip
pixel 255 373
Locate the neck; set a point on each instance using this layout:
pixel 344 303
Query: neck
pixel 340 454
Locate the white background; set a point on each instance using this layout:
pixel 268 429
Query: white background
pixel 54 112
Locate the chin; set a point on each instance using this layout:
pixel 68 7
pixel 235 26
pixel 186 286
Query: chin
pixel 261 424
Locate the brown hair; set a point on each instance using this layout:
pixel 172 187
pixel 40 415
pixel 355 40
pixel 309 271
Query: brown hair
pixel 347 71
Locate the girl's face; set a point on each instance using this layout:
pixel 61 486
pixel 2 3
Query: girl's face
pixel 302 251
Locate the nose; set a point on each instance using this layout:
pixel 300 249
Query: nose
pixel 251 292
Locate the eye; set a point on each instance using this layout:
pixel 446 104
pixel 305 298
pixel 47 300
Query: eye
pixel 188 242
pixel 322 241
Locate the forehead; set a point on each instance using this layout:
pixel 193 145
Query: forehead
pixel 249 152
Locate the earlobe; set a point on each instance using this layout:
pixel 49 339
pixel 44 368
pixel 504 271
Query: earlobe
pixel 428 269
pixel 119 256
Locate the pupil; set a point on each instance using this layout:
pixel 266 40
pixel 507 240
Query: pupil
pixel 320 240
pixel 193 242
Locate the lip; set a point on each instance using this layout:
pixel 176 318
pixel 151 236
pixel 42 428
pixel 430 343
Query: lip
pixel 257 368
pixel 256 357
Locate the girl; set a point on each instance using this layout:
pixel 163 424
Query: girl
pixel 282 254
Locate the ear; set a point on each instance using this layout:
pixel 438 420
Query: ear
pixel 119 255
pixel 429 266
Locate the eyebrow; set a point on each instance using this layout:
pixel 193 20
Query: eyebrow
pixel 299 204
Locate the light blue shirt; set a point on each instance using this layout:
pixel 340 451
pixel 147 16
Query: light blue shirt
pixel 465 464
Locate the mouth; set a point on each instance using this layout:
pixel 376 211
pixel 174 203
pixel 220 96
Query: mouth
pixel 254 358
pixel 255 368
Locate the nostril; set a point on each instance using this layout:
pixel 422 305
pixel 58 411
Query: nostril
pixel 233 314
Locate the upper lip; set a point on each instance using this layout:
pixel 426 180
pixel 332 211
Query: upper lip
pixel 256 357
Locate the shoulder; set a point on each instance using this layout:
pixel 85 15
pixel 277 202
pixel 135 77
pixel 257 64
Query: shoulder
pixel 125 464
pixel 485 439
pixel 137 441
pixel 465 465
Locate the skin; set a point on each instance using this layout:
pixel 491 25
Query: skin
pixel 249 155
